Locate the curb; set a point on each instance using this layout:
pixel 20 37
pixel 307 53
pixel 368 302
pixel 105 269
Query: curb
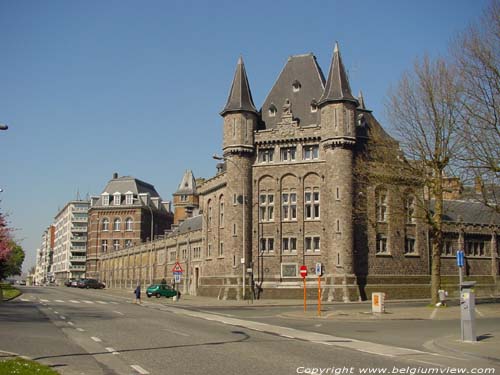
pixel 462 352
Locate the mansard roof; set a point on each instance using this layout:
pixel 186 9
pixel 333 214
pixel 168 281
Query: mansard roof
pixel 301 82
pixel 127 184
pixel 187 185
pixel 337 85
pixel 240 96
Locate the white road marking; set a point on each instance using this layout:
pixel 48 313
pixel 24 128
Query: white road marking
pixel 55 312
pixel 115 303
pixel 102 302
pixel 176 332
pixel 479 312
pixel 73 301
pixel 71 323
pixel 117 312
pixel 288 337
pixel 433 315
pixel 58 300
pixel 88 301
pixel 139 369
pixel 63 317
pixel 96 339
pixel 25 300
pixel 44 300
pixel 112 350
pixel 80 329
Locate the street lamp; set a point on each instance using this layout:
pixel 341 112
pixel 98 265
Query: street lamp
pixel 216 157
pixel 150 251
pixel 3 127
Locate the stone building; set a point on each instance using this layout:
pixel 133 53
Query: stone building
pixel 128 212
pixel 293 190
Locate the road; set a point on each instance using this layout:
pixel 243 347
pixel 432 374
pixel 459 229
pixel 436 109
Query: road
pixel 95 332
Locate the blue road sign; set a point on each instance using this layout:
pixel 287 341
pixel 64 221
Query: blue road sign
pixel 460 258
pixel 177 277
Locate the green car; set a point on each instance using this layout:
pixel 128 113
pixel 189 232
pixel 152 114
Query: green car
pixel 159 290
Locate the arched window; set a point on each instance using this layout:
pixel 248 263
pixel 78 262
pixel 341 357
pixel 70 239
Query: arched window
pixel 221 212
pixel 105 224
pixel 410 209
pixel 117 224
pixel 296 86
pixel 381 205
pixel 272 110
pixel 128 223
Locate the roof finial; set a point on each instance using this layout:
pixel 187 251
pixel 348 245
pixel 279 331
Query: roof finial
pixel 361 100
pixel 336 48
pixel 240 60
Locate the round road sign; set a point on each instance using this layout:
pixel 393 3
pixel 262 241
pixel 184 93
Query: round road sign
pixel 303 271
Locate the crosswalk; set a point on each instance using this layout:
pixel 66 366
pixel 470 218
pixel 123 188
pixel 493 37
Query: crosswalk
pixel 71 301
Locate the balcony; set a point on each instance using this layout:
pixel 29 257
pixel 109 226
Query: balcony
pixel 77 229
pixel 79 239
pixel 77 267
pixel 76 219
pixel 77 258
pixel 78 248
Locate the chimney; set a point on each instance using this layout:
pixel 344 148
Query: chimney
pixel 166 205
pixel 452 188
pixel 115 176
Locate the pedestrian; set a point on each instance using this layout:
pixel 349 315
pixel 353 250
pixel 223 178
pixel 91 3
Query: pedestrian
pixel 137 293
pixel 163 281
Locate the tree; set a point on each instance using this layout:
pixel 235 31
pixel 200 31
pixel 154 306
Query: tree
pixel 5 239
pixel 477 55
pixel 424 110
pixel 12 265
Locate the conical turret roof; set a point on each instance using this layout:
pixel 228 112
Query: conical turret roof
pixel 240 96
pixel 337 85
pixel 187 185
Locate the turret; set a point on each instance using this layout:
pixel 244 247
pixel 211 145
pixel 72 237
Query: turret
pixel 186 199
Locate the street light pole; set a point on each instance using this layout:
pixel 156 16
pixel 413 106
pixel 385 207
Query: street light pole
pixel 3 127
pixel 216 157
pixel 150 250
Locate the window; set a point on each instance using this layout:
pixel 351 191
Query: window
pixel 288 154
pixel 289 245
pixel 129 198
pixel 235 199
pixel 105 199
pixel 381 205
pixel 117 224
pixel 289 269
pixel 337 194
pixel 209 215
pixel 104 246
pixel 234 128
pixel 171 256
pixel 209 250
pixel 310 152
pixel 266 207
pixel 410 209
pixel 234 229
pixel 221 213
pixel 312 244
pixel 128 243
pixel 296 86
pixel 221 249
pixel 289 206
pixel 381 244
pixel 266 155
pixel 314 106
pixel 272 110
pixel 196 252
pixel 447 248
pixel 117 199
pixel 266 245
pixel 105 224
pixel 338 226
pixel 116 244
pixel 311 203
pixel 184 198
pixel 475 247
pixel 184 254
pixel 128 224
pixel 409 245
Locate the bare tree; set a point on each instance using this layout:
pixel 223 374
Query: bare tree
pixel 477 55
pixel 424 110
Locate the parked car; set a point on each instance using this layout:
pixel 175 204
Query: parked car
pixel 74 283
pixel 159 290
pixel 22 282
pixel 69 282
pixel 90 283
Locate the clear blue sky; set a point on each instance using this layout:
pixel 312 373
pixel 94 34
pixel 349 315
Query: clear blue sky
pixel 93 87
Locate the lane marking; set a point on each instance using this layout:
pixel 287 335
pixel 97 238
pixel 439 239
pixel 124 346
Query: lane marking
pixel 59 300
pixel 112 350
pixel 433 315
pixel 102 302
pixel 71 323
pixel 44 300
pixel 80 329
pixel 96 339
pixel 88 302
pixel 25 300
pixel 73 301
pixel 63 317
pixel 139 369
pixel 117 312
pixel 55 312
pixel 479 312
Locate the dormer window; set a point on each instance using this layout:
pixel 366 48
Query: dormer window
pixel 314 106
pixel 129 197
pixel 296 86
pixel 117 199
pixel 105 199
pixel 272 110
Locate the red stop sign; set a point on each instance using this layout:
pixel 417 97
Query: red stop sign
pixel 303 271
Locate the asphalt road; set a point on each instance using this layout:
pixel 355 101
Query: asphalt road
pixel 93 332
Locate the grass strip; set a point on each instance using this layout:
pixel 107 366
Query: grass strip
pixel 20 366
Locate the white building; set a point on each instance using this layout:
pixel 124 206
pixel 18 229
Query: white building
pixel 70 245
pixel 43 268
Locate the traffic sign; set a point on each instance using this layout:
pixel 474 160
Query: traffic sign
pixel 460 258
pixel 319 269
pixel 177 268
pixel 303 271
pixel 177 277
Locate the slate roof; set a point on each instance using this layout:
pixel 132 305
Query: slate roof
pixel 187 185
pixel 337 85
pixel 189 225
pixel 304 70
pixel 469 212
pixel 240 96
pixel 127 184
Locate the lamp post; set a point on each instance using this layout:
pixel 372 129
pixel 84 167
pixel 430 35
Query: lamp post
pixel 3 127
pixel 216 157
pixel 150 251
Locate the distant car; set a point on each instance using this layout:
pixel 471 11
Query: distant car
pixel 69 282
pixel 159 290
pixel 22 282
pixel 74 283
pixel 90 283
